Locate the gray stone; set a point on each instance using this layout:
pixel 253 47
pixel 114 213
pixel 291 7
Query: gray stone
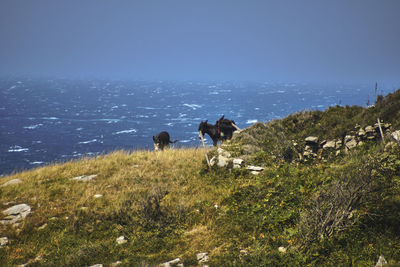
pixel 12 182
pixel 202 257
pixel 312 140
pixel 15 214
pixel 348 138
pixel 85 178
pixel 213 160
pixel 222 161
pixel 351 144
pixel 3 241
pixel 170 263
pixel 396 135
pixel 238 163
pixel 254 168
pixel 338 144
pixel 244 252
pixel 282 249
pixel 361 133
pixel 223 153
pixel 329 144
pixel 381 261
pixel 97 265
pixel 369 129
pixel 121 240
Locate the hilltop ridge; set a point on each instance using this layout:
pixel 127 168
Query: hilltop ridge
pixel 309 205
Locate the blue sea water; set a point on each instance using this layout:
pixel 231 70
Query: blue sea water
pixel 44 121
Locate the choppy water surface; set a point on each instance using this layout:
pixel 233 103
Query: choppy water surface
pixel 44 121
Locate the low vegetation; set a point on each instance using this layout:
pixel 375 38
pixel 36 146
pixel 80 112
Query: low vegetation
pixel 337 212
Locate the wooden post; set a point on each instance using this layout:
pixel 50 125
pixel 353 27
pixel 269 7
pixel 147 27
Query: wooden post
pixel 380 129
pixel 205 150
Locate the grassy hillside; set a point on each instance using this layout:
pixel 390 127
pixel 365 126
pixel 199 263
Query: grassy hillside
pixel 337 212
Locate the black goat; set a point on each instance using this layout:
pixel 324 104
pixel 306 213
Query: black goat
pixel 162 140
pixel 221 131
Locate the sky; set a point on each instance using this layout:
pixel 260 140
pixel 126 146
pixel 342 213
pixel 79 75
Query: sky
pixel 247 40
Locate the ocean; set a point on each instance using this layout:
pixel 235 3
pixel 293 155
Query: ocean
pixel 44 121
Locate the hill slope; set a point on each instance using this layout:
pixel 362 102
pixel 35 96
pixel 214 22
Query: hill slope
pixel 336 209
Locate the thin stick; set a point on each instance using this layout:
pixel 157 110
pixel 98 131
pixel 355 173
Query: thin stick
pixel 380 129
pixel 205 150
pixel 237 128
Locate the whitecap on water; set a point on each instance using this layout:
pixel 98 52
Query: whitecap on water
pixel 36 162
pixel 88 142
pixel 50 118
pixel 31 127
pixel 18 149
pixel 193 106
pixel 251 121
pixel 126 131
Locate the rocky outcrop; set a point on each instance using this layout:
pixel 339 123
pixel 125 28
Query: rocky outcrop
pixel 15 214
pixel 224 158
pixel 330 148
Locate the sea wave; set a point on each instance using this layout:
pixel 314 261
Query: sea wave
pixel 251 121
pixel 88 142
pixel 18 149
pixel 31 127
pixel 126 131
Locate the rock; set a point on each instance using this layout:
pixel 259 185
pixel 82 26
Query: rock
pixel 238 163
pixel 15 214
pixel 244 252
pixel 396 135
pixel 98 196
pixel 255 172
pixel 312 140
pixel 3 241
pixel 338 144
pixel 12 182
pixel 369 129
pixel 282 249
pixel 115 263
pixel 170 263
pixel 97 265
pixel 121 240
pixel 222 161
pixel 254 168
pixel 223 153
pixel 329 144
pixel 381 261
pixel 348 138
pixel 202 257
pixel 351 144
pixel 361 133
pixel 85 178
pixel 213 160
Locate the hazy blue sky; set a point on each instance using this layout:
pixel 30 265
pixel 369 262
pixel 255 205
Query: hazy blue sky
pixel 309 40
